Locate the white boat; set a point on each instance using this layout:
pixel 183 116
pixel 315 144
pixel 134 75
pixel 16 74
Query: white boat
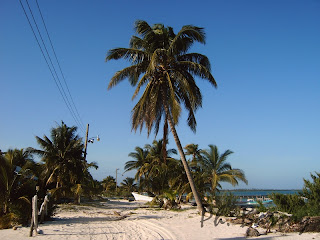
pixel 139 197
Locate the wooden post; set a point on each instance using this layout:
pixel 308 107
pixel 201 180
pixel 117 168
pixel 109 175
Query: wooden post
pixel 44 209
pixel 34 218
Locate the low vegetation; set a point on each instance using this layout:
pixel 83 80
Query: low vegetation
pixel 306 203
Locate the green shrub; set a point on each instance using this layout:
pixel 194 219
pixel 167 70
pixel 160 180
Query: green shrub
pixel 226 205
pixel 8 220
pixel 261 207
pixel 288 203
pixel 306 203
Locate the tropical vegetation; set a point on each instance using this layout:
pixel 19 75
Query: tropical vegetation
pixel 62 171
pixel 66 171
pixel 160 177
pixel 305 203
pixel 162 64
pixel 17 185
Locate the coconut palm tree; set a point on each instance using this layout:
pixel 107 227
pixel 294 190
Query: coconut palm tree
pixel 159 167
pixel 139 159
pixel 128 185
pixel 193 150
pixel 109 184
pixel 168 72
pixel 216 169
pixel 152 167
pixel 62 155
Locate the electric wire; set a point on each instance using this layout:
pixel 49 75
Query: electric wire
pixel 57 77
pixel 51 69
pixel 54 52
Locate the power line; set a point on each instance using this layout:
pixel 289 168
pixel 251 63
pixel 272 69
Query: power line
pixel 59 82
pixel 65 82
pixel 56 79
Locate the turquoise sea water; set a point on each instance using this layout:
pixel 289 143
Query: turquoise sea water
pixel 253 193
pixel 243 196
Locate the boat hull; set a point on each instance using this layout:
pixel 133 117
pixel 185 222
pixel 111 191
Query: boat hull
pixel 139 197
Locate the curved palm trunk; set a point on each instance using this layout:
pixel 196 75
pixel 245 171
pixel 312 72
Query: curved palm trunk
pixel 184 161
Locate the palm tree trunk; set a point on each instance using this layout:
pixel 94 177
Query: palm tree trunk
pixel 165 141
pixel 184 161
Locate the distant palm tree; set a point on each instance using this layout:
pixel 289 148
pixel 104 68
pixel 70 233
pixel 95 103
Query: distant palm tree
pixel 139 159
pixel 128 185
pixel 152 167
pixel 217 170
pixel 193 149
pixel 168 72
pixel 109 184
pixel 195 152
pixel 159 166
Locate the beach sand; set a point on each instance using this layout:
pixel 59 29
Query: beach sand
pixel 120 219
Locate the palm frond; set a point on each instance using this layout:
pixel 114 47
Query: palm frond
pixel 198 70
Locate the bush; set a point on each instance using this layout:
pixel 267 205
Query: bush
pixel 288 203
pixel 8 220
pixel 303 204
pixel 261 207
pixel 226 205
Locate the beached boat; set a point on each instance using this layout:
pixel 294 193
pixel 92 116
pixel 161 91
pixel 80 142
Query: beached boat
pixel 140 197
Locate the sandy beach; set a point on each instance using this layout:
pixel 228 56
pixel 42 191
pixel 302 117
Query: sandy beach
pixel 119 219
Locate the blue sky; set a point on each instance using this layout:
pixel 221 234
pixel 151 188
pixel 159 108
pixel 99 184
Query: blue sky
pixel 265 56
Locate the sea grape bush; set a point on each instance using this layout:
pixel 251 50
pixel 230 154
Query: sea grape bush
pixel 306 203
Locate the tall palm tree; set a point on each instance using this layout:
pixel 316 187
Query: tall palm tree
pixel 217 170
pixel 168 72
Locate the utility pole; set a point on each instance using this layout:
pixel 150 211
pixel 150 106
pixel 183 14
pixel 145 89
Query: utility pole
pixel 117 178
pixel 91 140
pixel 86 142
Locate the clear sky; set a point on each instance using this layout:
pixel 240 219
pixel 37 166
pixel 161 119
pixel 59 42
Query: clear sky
pixel 265 57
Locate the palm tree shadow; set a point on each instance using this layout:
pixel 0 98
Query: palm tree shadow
pixel 217 220
pixel 203 220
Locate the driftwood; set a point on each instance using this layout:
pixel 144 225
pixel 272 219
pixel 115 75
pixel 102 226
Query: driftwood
pixel 308 224
pixel 279 222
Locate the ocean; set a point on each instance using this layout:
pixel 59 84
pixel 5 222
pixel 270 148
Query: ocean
pixel 257 192
pixel 249 198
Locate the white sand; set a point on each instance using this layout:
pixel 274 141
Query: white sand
pixel 87 222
